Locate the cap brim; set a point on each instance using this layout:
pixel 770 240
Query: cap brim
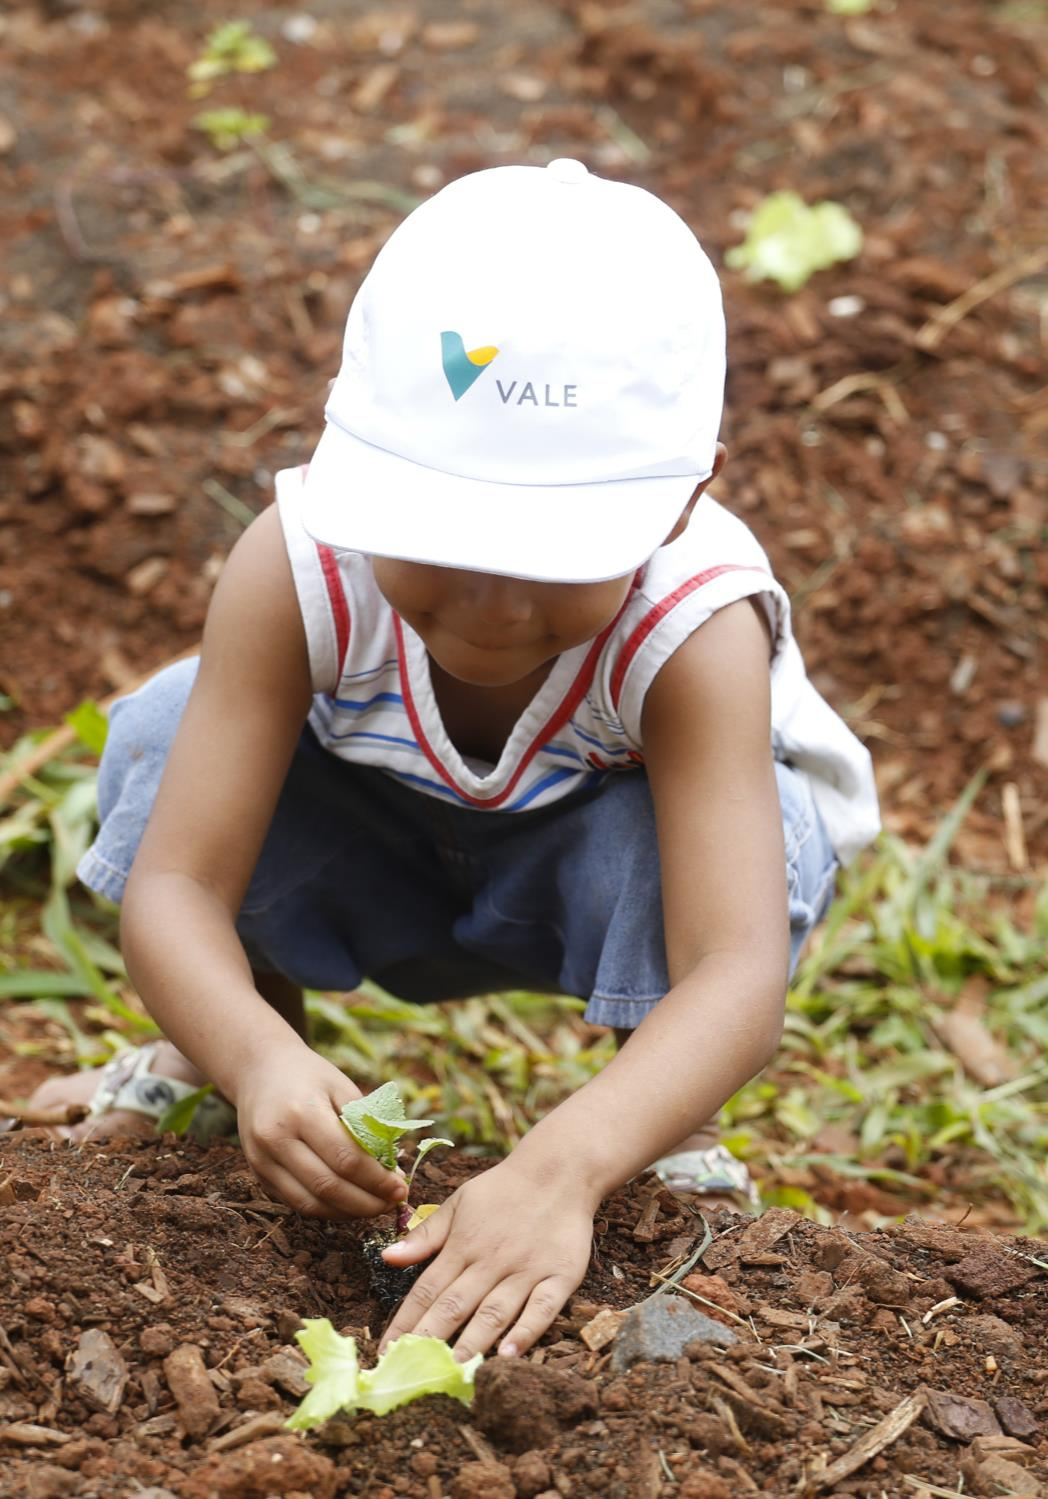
pixel 360 498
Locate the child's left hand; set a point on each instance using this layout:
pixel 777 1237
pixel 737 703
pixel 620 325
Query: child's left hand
pixel 512 1250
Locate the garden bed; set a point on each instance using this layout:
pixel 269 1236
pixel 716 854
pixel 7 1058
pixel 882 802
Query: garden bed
pixel 165 1246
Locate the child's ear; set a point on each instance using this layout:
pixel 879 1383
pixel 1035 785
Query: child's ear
pixel 720 458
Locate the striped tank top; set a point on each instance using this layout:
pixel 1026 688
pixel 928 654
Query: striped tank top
pixel 374 703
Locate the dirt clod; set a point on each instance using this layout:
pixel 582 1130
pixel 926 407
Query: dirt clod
pixel 483 1481
pixel 278 1465
pixel 530 1474
pixel 522 1405
pixel 986 1272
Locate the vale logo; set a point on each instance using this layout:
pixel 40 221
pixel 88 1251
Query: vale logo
pixel 463 366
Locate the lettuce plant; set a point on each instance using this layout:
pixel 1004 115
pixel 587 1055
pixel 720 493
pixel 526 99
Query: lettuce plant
pixel 787 241
pixel 377 1122
pixel 410 1368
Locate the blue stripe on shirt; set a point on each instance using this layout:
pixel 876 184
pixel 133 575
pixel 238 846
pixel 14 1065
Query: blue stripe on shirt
pixel 372 671
pixel 608 749
pixel 382 738
pixel 356 706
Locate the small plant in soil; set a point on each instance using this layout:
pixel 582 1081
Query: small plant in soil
pixel 377 1122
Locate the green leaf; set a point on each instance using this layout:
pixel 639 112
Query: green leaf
pixel 425 1146
pixel 178 1116
pixel 377 1122
pixel 787 242
pixel 90 725
pixel 849 7
pixel 410 1368
pixel 334 1373
pixel 226 128
pixel 414 1366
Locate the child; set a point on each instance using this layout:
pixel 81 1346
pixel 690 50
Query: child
pixel 493 697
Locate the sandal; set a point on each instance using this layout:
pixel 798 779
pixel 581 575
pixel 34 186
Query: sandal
pixel 127 1083
pixel 709 1173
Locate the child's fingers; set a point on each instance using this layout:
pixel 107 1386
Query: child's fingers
pixel 307 1184
pixel 542 1306
pixel 423 1241
pixel 324 1135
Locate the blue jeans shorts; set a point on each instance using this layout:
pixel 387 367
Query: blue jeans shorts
pixel 362 877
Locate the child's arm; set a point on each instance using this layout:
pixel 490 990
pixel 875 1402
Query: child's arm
pixel 515 1242
pixel 215 802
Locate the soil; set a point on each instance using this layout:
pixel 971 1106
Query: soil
pixel 172 313
pixel 167 1249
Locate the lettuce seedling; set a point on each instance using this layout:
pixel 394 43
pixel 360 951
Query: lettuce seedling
pixel 787 241
pixel 411 1367
pixel 377 1123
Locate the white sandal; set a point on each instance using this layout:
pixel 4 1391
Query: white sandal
pixel 128 1083
pixel 709 1173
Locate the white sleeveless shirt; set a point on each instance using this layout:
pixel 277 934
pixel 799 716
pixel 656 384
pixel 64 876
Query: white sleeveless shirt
pixel 374 701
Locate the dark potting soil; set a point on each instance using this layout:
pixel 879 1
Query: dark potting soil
pixel 197 1284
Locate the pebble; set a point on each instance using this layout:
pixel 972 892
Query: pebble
pixel 996 1336
pixel 531 1475
pixel 960 1417
pixel 195 1395
pixel 658 1330
pixel 98 1371
pixel 1016 1417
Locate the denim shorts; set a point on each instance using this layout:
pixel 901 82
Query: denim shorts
pixel 362 877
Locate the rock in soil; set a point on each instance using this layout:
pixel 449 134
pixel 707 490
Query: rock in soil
pixel 195 1395
pixel 98 1371
pixel 521 1405
pixel 959 1416
pixel 661 1328
pixel 987 1273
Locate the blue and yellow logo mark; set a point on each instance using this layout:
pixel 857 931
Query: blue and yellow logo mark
pixel 463 366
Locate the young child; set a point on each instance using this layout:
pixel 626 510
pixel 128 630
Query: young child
pixel 495 696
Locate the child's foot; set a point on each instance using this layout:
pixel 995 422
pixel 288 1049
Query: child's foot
pixel 704 1174
pixel 131 1092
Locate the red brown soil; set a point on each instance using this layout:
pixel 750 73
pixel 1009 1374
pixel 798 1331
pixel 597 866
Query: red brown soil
pixel 170 316
pixel 163 1245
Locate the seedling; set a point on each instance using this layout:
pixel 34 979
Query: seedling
pixel 376 1122
pixel 231 48
pixel 787 241
pixel 226 128
pixel 410 1368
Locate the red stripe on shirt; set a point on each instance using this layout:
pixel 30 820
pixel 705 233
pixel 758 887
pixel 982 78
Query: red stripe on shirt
pixel 337 597
pixel 570 702
pixel 659 612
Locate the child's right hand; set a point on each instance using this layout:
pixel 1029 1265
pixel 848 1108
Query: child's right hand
pixel 287 1119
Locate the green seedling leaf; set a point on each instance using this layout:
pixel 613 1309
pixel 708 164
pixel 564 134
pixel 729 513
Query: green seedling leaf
pixel 849 7
pixel 410 1368
pixel 178 1116
pixel 787 241
pixel 334 1373
pixel 414 1366
pixel 226 128
pixel 377 1122
pixel 90 725
pixel 231 48
pixel 425 1146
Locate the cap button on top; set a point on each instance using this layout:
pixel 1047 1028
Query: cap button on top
pixel 565 169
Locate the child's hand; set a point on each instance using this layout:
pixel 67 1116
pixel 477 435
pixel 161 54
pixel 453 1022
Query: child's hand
pixel 512 1250
pixel 287 1119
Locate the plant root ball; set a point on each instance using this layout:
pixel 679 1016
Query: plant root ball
pixel 389 1283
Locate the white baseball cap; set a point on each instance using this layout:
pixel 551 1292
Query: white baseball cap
pixel 531 383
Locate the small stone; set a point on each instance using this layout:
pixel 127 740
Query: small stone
pixel 287 1370
pixel 712 1288
pixel 601 1329
pixel 1017 1419
pixel 40 1309
pixel 48 1481
pixel 531 1475
pixel 960 1417
pixel 995 1336
pixel 986 1273
pixel 158 1340
pixel 424 1464
pixel 811 1286
pixel 195 1395
pixel 996 1475
pixel 256 1395
pixel 659 1329
pixel 98 1371
pixel 483 1481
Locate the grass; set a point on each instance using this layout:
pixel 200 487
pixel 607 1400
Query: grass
pixel 873 1103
